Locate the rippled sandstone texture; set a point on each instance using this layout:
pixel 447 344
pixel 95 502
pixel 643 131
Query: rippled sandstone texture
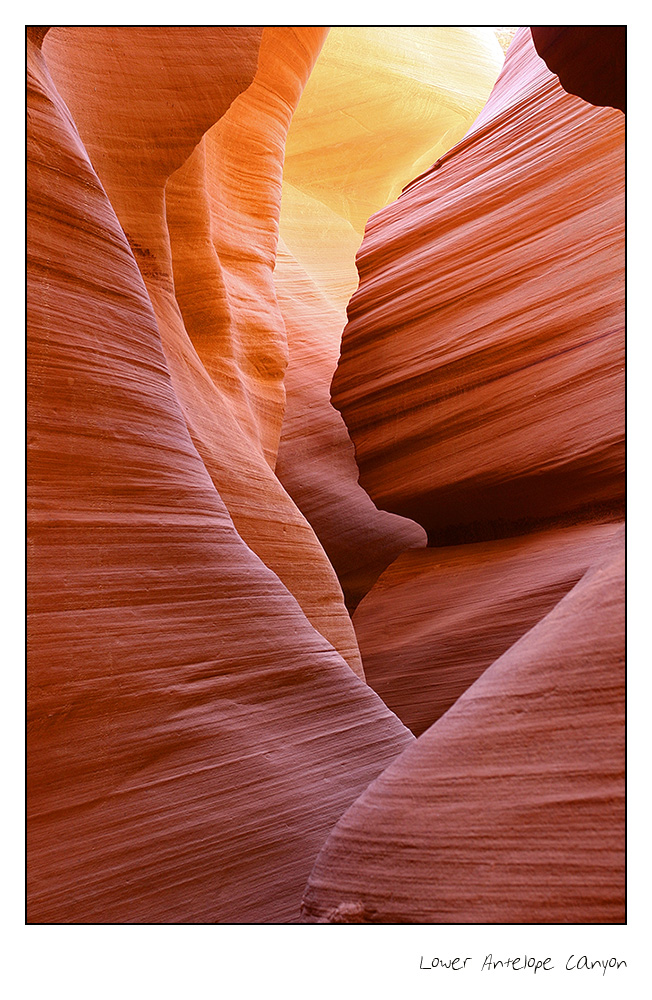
pixel 191 738
pixel 481 379
pixel 381 104
pixel 511 808
pixel 195 732
pixel 438 618
pixel 482 368
pixel 199 205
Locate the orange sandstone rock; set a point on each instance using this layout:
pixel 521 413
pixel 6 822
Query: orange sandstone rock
pixel 194 731
pixel 199 204
pixel 511 808
pixel 438 617
pixel 482 368
pixel 481 379
pixel 379 104
pixel 191 739
pixel 316 462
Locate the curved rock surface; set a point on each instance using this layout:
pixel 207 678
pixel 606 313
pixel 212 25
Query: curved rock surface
pixel 190 197
pixel 379 104
pixel 316 463
pixel 191 737
pixel 511 808
pixel 482 368
pixel 199 734
pixel 438 618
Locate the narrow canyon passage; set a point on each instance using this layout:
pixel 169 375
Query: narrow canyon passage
pixel 325 471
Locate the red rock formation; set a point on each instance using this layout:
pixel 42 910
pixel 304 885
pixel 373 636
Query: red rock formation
pixel 316 463
pixel 191 738
pixel 36 33
pixel 481 379
pixel 510 808
pixel 380 104
pixel 482 368
pixel 590 60
pixel 188 205
pixel 194 731
pixel 439 617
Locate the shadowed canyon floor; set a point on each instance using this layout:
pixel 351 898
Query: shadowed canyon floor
pixel 295 661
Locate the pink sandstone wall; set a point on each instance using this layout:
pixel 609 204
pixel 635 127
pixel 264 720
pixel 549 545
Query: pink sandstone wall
pixel 201 743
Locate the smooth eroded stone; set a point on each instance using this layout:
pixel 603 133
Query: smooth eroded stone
pixel 437 618
pixel 191 738
pixel 380 104
pixel 510 808
pixel 190 152
pixel 482 368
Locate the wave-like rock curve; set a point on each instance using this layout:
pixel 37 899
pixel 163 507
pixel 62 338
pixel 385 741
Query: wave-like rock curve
pixel 482 369
pixel 191 738
pixel 511 808
pixel 194 174
pixel 380 104
pixel 199 731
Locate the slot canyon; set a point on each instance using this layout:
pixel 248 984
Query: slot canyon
pixel 325 475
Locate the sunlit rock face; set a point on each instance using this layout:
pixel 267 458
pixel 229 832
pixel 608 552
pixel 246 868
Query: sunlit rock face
pixel 381 104
pixel 505 36
pixel 482 368
pixel 191 737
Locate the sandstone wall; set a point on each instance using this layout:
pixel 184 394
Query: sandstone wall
pixel 201 743
pixel 482 367
pixel 191 737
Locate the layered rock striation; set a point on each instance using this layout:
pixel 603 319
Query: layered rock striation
pixel 482 367
pixel 438 618
pixel 191 737
pixel 481 379
pixel 193 169
pixel 201 742
pixel 380 104
pixel 511 808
